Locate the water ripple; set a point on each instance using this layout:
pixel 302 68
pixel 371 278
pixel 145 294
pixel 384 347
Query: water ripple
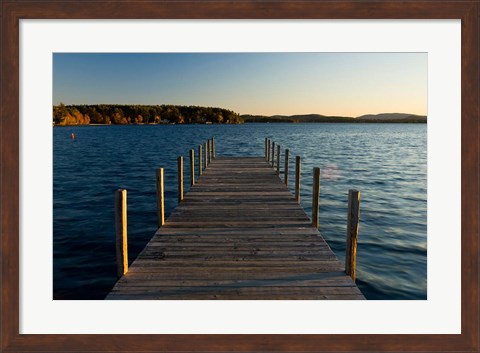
pixel 386 162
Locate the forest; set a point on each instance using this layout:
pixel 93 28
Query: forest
pixel 117 114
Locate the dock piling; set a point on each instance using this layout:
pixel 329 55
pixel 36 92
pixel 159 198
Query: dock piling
pixel 268 151
pixel 315 197
pixel 200 157
pixel 352 233
pixel 273 154
pixel 192 167
pixel 208 151
pixel 278 160
pixel 297 178
pixel 121 242
pixel 206 155
pixel 287 153
pixel 180 178
pixel 213 147
pixel 160 198
pixel 211 151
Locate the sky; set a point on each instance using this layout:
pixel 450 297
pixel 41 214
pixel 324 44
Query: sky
pixel 341 84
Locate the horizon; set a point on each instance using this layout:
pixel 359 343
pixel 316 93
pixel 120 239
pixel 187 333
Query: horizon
pixel 332 84
pixel 272 115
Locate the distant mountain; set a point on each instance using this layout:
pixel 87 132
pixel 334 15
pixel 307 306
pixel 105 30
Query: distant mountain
pixel 306 118
pixel 394 117
pixel 318 118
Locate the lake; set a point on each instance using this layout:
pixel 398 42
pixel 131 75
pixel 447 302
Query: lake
pixel 387 163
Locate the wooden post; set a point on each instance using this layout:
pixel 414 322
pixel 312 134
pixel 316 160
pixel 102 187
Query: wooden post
pixel 297 178
pixel 211 151
pixel 160 198
pixel 278 160
pixel 353 220
pixel 213 147
pixel 273 154
pixel 287 153
pixel 208 152
pixel 121 243
pixel 180 178
pixel 192 167
pixel 200 157
pixel 206 155
pixel 268 151
pixel 315 197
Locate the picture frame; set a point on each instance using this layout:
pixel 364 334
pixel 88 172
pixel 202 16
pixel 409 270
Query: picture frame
pixel 13 11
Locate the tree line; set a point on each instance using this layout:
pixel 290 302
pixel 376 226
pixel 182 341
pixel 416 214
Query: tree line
pixel 117 114
pixel 317 118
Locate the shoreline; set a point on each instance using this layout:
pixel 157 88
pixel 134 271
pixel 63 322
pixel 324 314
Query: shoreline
pixel 258 122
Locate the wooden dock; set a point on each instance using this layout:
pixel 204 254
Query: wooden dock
pixel 237 234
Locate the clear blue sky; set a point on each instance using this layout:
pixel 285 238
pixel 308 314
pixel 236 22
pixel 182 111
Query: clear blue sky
pixel 346 84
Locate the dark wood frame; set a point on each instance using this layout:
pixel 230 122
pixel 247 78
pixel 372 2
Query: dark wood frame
pixel 14 10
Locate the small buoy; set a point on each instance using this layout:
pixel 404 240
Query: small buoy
pixel 73 136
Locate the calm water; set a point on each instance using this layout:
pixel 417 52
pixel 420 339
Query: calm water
pixel 386 162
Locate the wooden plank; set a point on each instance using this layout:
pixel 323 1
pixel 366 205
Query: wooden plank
pixel 241 290
pixel 299 280
pixel 280 295
pixel 215 292
pixel 253 256
pixel 318 265
pixel 279 233
pixel 204 268
pixel 239 234
pixel 230 269
pixel 214 244
pixel 262 213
